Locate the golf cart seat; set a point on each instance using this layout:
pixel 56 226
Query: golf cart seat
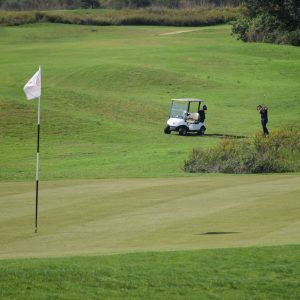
pixel 193 118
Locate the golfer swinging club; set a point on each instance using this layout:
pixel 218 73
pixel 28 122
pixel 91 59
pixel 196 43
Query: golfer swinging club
pixel 263 110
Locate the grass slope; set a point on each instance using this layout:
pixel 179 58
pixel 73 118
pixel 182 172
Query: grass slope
pixel 106 93
pixel 114 216
pixel 249 273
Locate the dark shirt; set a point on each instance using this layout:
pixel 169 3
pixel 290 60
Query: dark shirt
pixel 201 115
pixel 264 114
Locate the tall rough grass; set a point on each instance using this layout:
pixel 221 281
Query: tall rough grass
pixel 22 5
pixel 197 16
pixel 277 153
pixel 18 18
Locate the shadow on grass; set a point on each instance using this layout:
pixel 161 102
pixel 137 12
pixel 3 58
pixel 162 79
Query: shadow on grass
pixel 217 135
pixel 218 232
pixel 228 136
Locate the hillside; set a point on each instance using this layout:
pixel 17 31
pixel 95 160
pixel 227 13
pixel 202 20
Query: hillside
pixel 107 91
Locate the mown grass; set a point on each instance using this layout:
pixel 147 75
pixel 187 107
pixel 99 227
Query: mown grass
pixel 199 16
pixel 105 102
pixel 83 217
pixel 107 90
pixel 249 273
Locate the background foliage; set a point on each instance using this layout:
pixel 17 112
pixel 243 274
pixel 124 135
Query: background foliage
pixel 47 4
pixel 196 16
pixel 279 152
pixel 73 4
pixel 269 21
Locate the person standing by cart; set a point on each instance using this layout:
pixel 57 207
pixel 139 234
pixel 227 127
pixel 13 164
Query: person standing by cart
pixel 263 110
pixel 202 114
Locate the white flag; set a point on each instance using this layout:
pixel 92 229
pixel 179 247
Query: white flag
pixel 33 88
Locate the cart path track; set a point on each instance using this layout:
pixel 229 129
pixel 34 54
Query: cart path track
pixel 178 32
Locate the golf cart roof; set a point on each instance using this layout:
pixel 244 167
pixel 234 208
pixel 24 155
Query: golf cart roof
pixel 188 100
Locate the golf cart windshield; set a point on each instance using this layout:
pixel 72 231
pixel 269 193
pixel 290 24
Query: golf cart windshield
pixel 179 109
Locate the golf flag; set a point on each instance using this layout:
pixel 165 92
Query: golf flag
pixel 33 88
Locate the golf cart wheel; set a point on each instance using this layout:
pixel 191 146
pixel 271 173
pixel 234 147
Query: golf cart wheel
pixel 182 131
pixel 167 130
pixel 202 130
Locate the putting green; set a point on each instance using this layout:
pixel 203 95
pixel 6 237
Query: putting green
pixel 115 216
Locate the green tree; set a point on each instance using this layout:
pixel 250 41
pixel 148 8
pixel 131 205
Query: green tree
pixel 275 21
pixel 167 3
pixel 90 3
pixel 285 10
pixel 138 3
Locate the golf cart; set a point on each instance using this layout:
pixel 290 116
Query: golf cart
pixel 184 117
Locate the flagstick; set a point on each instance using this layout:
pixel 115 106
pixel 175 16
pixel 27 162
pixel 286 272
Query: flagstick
pixel 37 170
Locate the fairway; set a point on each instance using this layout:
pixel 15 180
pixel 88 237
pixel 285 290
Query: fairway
pixel 110 216
pixel 107 90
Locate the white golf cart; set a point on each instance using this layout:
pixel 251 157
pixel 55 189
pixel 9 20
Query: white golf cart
pixel 184 117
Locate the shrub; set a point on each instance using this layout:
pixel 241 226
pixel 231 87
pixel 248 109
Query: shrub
pixel 292 38
pixel 280 152
pixel 265 28
pixel 240 28
pixel 269 21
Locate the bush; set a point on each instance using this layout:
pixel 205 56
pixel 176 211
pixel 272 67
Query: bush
pixel 292 38
pixel 262 28
pixel 265 28
pixel 240 28
pixel 280 152
pixel 269 21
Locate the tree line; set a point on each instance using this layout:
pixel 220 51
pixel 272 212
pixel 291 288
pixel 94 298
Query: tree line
pixel 47 4
pixel 273 21
pixel 167 3
pixel 117 4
